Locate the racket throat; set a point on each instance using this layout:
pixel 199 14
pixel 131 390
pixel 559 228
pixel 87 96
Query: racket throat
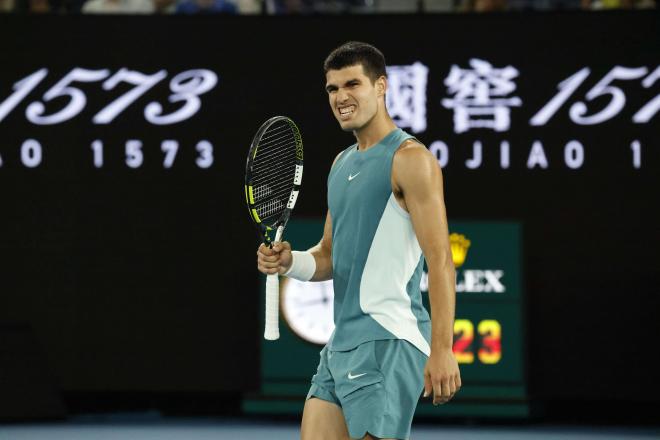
pixel 278 235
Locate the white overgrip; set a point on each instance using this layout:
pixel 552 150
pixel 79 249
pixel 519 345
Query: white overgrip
pixel 272 328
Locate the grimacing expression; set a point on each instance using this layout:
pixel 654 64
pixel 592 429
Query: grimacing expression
pixel 353 97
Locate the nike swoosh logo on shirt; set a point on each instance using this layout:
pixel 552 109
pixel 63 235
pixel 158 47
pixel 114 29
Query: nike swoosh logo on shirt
pixel 351 377
pixel 351 177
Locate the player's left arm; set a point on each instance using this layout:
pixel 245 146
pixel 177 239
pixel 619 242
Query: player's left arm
pixel 417 178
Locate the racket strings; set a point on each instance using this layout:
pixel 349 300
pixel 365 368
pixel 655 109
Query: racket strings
pixel 272 157
pixel 273 172
pixel 270 190
pixel 269 187
pixel 275 129
pixel 270 208
pixel 269 149
pixel 277 152
pixel 268 172
pixel 274 165
pixel 275 137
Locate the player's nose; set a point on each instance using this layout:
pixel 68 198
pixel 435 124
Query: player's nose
pixel 342 96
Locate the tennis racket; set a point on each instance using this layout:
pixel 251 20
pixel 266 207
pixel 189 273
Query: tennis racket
pixel 273 174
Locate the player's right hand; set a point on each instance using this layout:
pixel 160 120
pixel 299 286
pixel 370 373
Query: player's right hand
pixel 274 260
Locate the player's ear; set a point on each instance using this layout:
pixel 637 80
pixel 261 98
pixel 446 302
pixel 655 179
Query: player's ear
pixel 381 85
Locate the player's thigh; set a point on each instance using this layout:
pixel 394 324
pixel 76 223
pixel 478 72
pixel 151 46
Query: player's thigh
pixel 323 420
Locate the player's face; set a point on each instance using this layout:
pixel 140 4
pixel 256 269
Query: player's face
pixel 353 97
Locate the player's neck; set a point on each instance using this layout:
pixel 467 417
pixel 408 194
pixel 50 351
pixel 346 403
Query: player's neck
pixel 374 131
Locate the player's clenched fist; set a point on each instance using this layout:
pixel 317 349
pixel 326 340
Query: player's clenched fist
pixel 274 260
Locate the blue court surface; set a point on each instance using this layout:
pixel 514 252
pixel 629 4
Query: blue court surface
pixel 155 428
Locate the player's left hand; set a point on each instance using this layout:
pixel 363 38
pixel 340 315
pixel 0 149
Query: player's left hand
pixel 441 376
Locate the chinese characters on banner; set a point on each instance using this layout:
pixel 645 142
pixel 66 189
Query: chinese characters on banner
pixel 482 96
pixel 406 95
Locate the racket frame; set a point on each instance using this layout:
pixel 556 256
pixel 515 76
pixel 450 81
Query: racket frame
pixel 265 230
pixel 271 330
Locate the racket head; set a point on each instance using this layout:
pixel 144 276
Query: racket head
pixel 273 175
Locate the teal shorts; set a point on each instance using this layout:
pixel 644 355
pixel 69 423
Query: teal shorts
pixel 377 385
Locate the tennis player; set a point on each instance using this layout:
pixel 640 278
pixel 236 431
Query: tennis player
pixel 386 214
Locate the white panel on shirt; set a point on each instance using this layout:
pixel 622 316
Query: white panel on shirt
pixel 392 260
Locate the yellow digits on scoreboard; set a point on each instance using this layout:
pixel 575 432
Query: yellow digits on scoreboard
pixel 491 341
pixel 464 331
pixel 490 338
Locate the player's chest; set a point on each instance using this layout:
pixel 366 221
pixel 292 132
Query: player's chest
pixel 357 183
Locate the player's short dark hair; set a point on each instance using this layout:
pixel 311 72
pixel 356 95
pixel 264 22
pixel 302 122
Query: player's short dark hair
pixel 354 53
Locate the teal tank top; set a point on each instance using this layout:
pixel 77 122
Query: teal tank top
pixel 376 259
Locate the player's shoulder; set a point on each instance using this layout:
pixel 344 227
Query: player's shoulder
pixel 411 143
pixel 412 150
pixel 337 157
pixel 341 153
pixel 413 162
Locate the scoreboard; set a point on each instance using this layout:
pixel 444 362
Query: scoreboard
pixel 488 326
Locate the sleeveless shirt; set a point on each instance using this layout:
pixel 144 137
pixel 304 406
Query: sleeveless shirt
pixel 376 259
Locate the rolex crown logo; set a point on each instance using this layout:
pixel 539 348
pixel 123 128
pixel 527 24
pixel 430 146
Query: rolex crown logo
pixel 459 247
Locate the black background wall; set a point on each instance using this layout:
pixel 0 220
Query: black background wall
pixel 139 277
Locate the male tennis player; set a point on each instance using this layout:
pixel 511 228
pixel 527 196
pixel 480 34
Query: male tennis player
pixel 386 214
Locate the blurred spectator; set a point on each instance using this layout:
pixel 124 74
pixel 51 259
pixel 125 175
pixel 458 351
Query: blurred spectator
pixel 206 7
pixel 544 5
pixel 289 6
pixel 439 6
pixel 118 7
pixel 36 6
pixel 483 5
pixel 40 6
pixel 164 6
pixel 6 5
pixel 339 6
pixel 618 4
pixel 249 6
pixel 308 6
pixel 397 7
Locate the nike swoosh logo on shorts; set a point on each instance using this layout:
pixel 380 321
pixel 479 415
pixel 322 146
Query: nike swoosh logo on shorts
pixel 351 377
pixel 351 177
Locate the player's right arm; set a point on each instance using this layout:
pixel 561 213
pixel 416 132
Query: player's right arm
pixel 278 258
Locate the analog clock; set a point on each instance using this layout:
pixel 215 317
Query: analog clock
pixel 307 307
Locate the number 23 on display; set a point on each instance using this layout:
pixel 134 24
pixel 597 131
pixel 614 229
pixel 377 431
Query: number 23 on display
pixel 490 341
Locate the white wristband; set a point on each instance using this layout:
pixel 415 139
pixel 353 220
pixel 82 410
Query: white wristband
pixel 303 266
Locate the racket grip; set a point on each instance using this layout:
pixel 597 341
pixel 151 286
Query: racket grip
pixel 272 331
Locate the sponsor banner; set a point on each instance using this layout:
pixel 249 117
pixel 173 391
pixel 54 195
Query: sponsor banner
pixel 122 154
